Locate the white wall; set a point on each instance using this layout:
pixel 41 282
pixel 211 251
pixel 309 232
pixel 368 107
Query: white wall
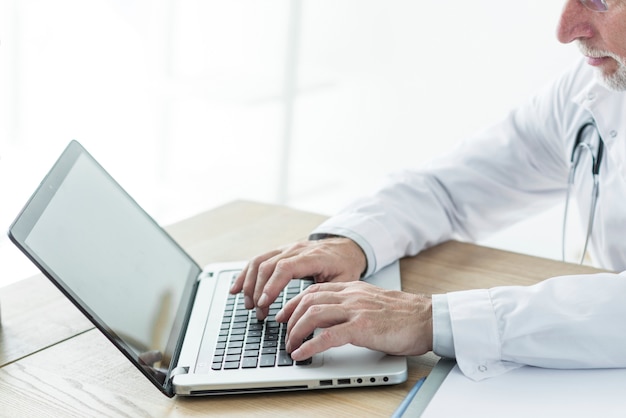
pixel 193 103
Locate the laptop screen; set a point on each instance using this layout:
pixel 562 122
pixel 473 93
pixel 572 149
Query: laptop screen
pixel 125 273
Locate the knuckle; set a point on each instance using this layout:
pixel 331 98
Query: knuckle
pixel 315 310
pixel 265 269
pixel 314 288
pixel 327 337
pixel 281 264
pixel 296 245
pixel 308 299
pixel 256 261
pixel 294 248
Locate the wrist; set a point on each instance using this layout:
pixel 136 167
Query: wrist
pixel 355 254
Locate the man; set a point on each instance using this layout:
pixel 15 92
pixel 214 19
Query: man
pixel 514 169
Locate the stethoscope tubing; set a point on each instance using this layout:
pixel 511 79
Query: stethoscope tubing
pixel 579 147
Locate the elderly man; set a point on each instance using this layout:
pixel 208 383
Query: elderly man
pixel 567 143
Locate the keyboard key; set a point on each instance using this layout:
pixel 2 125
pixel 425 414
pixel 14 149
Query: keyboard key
pixel 268 350
pixel 229 365
pixel 270 344
pixel 235 344
pixel 253 346
pixel 238 337
pixel 251 353
pixel 249 363
pixel 267 360
pixel 284 359
pixel 243 338
pixel 253 340
pixel 255 327
pixel 304 362
pixel 233 351
pixel 232 358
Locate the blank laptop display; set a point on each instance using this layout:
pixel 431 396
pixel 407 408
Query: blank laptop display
pixel 175 321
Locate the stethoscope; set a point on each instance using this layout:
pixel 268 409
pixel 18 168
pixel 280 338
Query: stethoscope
pixel 579 148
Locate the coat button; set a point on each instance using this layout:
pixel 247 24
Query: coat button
pixel 482 368
pixel 613 133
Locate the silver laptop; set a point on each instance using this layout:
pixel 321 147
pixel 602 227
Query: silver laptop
pixel 175 321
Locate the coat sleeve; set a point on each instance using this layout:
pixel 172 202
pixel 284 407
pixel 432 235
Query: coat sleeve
pixel 490 181
pixel 564 322
pixel 504 174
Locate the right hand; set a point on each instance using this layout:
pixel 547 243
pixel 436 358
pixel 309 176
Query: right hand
pixel 358 313
pixel 335 259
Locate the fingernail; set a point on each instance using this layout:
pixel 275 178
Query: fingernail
pixel 279 316
pixel 263 300
pixel 247 301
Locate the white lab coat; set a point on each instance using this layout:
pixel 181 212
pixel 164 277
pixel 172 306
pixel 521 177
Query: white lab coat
pixel 504 174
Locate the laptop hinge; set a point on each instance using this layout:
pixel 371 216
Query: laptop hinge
pixel 178 370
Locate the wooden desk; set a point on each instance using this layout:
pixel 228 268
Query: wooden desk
pixel 54 363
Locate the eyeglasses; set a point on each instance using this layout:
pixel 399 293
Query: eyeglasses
pixel 595 5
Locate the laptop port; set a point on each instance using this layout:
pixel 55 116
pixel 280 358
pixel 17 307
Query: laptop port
pixel 326 382
pixel 343 381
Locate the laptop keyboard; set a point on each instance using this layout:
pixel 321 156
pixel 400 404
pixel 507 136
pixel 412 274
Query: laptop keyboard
pixel 245 342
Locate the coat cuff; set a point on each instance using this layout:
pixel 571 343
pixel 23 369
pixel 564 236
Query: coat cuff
pixel 477 343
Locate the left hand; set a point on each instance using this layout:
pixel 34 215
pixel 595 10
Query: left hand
pixel 330 259
pixel 357 313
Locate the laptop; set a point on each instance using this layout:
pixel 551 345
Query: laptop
pixel 175 321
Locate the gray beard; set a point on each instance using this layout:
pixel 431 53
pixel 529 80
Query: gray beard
pixel 615 81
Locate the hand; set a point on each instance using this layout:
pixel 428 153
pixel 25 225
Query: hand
pixel 330 259
pixel 358 313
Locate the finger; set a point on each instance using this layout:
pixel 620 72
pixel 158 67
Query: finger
pixel 329 289
pixel 237 285
pixel 248 286
pixel 251 276
pixel 315 311
pixel 289 308
pixel 263 296
pixel 280 270
pixel 261 313
pixel 334 336
pixel 311 302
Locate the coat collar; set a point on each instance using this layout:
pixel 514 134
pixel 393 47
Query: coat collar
pixel 608 109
